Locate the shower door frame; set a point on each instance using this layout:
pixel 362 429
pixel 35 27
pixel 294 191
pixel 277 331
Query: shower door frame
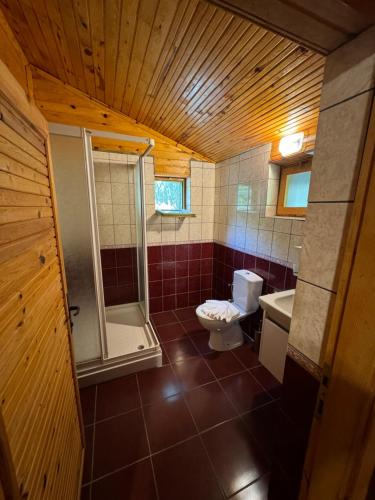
pixel 150 143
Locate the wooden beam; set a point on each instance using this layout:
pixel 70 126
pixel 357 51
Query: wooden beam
pixel 320 25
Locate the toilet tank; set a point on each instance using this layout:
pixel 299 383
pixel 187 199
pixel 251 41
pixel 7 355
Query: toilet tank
pixel 247 287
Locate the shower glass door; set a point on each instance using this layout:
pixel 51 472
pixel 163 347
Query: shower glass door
pixel 141 237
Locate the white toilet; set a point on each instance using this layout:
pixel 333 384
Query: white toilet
pixel 247 287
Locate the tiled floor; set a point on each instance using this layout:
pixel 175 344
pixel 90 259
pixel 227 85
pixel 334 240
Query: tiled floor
pixel 204 426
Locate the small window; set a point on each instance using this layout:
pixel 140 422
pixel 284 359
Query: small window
pixel 170 194
pixel 294 190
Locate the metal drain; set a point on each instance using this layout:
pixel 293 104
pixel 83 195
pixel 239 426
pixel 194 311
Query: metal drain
pixel 140 347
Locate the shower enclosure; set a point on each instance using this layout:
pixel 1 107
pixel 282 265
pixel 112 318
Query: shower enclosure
pixel 101 204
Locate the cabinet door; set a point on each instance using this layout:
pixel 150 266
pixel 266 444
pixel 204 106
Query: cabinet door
pixel 273 347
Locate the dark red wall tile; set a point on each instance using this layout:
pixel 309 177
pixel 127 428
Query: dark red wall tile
pixel 194 283
pixel 156 305
pixel 154 255
pixel 125 275
pixel 206 266
pixel 109 276
pixel 155 272
pixel 169 302
pixel 108 257
pixel 182 284
pixel 182 268
pixel 155 289
pixel 290 279
pixel 194 267
pixel 194 298
pixel 277 275
pixel 182 252
pixel 195 251
pixel 169 287
pixel 169 270
pixel 182 300
pixel 168 253
pixel 124 256
pixel 207 250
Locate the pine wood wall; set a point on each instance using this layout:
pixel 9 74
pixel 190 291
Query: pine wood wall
pixel 41 444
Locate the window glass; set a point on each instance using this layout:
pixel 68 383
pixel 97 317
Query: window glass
pixel 169 194
pixel 242 197
pixel 297 189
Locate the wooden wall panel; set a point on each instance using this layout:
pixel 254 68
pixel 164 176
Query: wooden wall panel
pixel 189 71
pixel 39 402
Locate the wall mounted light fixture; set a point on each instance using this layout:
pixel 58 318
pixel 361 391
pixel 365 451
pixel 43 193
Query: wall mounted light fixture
pixel 291 144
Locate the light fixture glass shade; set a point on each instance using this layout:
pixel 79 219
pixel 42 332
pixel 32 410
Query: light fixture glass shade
pixel 291 144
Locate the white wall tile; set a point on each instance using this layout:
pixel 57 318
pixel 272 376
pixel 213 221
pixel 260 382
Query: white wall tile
pixel 119 173
pixel 282 225
pixel 324 239
pixel 310 313
pixel 264 243
pixel 280 246
pixel 121 214
pixel 105 214
pixel 120 193
pixel 168 231
pixel 349 70
pixel 102 172
pixel 195 232
pixel 106 235
pixel 103 192
pixel 339 144
pixel 122 234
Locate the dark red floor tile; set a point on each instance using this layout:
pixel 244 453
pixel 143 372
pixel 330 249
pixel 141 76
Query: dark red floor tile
pixel 278 437
pixel 85 493
pixel 117 396
pixel 267 380
pixel 236 457
pixel 87 396
pixel 223 363
pixel 246 356
pixel 168 422
pixel 164 357
pixel 178 350
pixel 170 332
pixel 163 318
pixel 193 373
pixel 135 482
pixel 267 487
pixel 158 383
pixel 244 391
pixel 119 441
pixel 200 340
pixel 192 326
pixel 186 313
pixel 87 464
pixel 184 473
pixel 209 405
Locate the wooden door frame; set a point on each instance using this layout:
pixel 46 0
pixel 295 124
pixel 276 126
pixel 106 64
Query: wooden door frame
pixel 340 458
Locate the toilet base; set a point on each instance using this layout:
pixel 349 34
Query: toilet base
pixel 227 339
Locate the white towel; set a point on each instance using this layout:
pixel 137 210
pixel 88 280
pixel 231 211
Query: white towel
pixel 220 309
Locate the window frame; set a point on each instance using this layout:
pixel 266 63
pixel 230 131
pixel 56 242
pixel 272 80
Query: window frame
pixel 281 209
pixel 173 179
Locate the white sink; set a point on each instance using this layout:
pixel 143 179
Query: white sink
pixel 279 307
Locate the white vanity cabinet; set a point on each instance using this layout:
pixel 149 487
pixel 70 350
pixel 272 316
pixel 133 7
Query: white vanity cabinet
pixel 273 347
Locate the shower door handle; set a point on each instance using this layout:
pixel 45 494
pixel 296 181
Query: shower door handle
pixel 75 310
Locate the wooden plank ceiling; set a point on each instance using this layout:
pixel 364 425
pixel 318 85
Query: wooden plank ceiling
pixel 205 78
